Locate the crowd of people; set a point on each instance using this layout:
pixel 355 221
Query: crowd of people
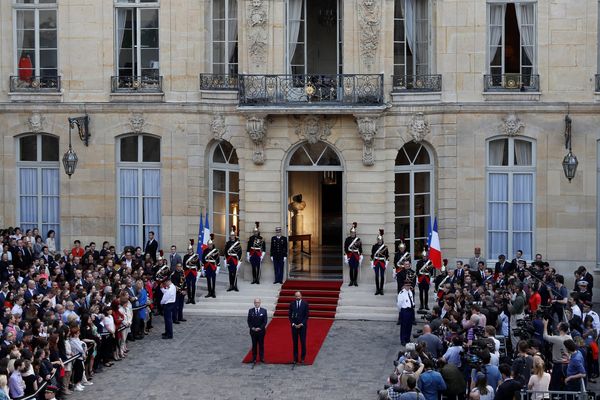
pixel 494 332
pixel 69 314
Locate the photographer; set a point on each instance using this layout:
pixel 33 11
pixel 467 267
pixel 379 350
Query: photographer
pixel 452 355
pixel 433 344
pixel 516 309
pixel 491 372
pixel 558 352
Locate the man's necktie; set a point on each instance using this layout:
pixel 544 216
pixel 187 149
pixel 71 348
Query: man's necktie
pixel 298 304
pixel 256 311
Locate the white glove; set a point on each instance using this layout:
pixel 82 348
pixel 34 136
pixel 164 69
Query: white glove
pixel 284 259
pixel 262 256
pixel 345 259
pixel 218 270
pixel 360 260
pixel 271 259
pixel 386 263
pixel 372 265
pixel 248 256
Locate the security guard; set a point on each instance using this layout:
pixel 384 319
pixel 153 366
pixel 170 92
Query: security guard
pixel 233 255
pixel 353 254
pixel 210 261
pixel 255 252
pixel 279 249
pixel 379 261
pixel 179 281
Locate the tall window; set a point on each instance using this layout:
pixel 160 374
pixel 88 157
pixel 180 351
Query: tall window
pixel 225 37
pixel 510 197
pixel 224 199
pixel 35 39
pixel 512 38
pixel 136 38
pixel 414 202
pixel 412 37
pixel 139 189
pixel 38 180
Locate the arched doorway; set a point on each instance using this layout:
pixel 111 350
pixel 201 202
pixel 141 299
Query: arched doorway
pixel 314 198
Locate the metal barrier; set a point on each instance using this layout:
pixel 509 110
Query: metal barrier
pixel 43 385
pixel 556 395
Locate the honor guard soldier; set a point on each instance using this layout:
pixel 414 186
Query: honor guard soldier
pixel 379 261
pixel 424 270
pixel 191 263
pixel 255 252
pixel 179 280
pixel 233 255
pixel 279 248
pixel 353 254
pixel 210 261
pixel 400 257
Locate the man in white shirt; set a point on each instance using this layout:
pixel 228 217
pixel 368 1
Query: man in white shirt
pixel 406 305
pixel 587 310
pixel 168 303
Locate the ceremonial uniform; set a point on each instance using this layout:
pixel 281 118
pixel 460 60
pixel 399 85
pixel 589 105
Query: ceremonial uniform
pixel 254 253
pixel 190 270
pixel 233 255
pixel 406 306
pixel 353 254
pixel 424 279
pixel 179 281
pixel 279 249
pixel 379 261
pixel 210 260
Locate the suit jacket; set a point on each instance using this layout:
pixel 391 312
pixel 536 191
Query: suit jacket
pixel 477 276
pixel 174 259
pixel 502 267
pixel 298 315
pixel 151 248
pixel 257 320
pixel 473 262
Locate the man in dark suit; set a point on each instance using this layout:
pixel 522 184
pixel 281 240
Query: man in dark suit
pixel 279 249
pixel 298 316
pixel 257 322
pixel 151 246
pixel 501 266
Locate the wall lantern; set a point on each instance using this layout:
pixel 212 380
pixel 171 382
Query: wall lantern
pixel 570 162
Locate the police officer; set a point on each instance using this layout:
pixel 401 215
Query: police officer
pixel 279 248
pixel 353 254
pixel 406 305
pixel 233 255
pixel 210 260
pixel 379 261
pixel 179 281
pixel 255 252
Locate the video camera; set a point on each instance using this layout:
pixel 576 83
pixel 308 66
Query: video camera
pixel 524 329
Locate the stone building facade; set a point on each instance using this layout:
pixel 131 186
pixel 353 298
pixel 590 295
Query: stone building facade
pixel 384 112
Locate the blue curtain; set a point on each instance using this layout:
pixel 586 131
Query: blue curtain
pixel 129 208
pixel 151 196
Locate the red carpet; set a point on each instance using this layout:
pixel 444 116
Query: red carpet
pixel 322 298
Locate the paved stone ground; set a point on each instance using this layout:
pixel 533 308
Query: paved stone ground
pixel 204 362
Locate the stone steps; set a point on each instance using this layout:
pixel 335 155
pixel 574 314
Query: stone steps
pixel 360 303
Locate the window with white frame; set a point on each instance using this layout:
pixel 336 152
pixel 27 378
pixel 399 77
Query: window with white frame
pixel 510 197
pixel 137 38
pixel 224 37
pixel 35 39
pixel 512 38
pixel 224 202
pixel 38 183
pixel 412 37
pixel 139 189
pixel 414 197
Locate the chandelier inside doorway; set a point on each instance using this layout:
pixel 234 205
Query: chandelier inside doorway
pixel 329 178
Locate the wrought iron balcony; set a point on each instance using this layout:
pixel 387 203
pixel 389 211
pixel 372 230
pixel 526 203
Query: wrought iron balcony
pixel 300 90
pixel 598 83
pixel 35 84
pixel 218 82
pixel 136 84
pixel 417 83
pixel 511 83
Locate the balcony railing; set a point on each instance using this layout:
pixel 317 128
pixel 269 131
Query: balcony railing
pixel 511 83
pixel 598 83
pixel 300 90
pixel 35 84
pixel 218 82
pixel 417 83
pixel 136 84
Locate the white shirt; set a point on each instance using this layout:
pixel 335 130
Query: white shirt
pixel 576 311
pixel 405 299
pixel 596 319
pixel 169 294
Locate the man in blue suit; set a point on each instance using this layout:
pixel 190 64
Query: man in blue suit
pixel 257 322
pixel 298 316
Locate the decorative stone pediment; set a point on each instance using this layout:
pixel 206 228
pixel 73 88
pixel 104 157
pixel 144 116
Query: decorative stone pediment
pixel 369 19
pixel 36 122
pixel 256 127
pixel 512 125
pixel 367 129
pixel 137 122
pixel 313 128
pixel 218 127
pixel 418 127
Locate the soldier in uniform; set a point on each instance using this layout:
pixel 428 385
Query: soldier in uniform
pixel 191 263
pixel 279 249
pixel 379 261
pixel 179 280
pixel 424 270
pixel 353 254
pixel 233 255
pixel 210 260
pixel 400 257
pixel 255 252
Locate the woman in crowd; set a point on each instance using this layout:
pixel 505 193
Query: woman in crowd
pixel 481 391
pixel 539 381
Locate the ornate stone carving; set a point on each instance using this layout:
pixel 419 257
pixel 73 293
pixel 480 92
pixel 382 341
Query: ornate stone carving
pixel 512 125
pixel 313 127
pixel 256 127
pixel 418 127
pixel 218 127
pixel 369 19
pixel 137 122
pixel 257 31
pixel 367 129
pixel 36 122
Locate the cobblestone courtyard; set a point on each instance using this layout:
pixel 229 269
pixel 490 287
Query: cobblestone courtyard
pixel 204 362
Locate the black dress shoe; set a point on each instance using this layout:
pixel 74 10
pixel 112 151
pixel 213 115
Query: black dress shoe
pixel 236 289
pixel 302 361
pixel 214 296
pixel 351 284
pixel 167 337
pixel 176 322
pixel 355 284
pixel 207 296
pixel 262 360
pixel 183 320
pixel 377 293
pixel 230 289
pixel 193 301
pixel 427 307
pixel 253 282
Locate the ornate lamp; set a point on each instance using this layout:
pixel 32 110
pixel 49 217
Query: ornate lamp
pixel 70 157
pixel 570 162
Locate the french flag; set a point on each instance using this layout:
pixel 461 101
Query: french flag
pixel 435 250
